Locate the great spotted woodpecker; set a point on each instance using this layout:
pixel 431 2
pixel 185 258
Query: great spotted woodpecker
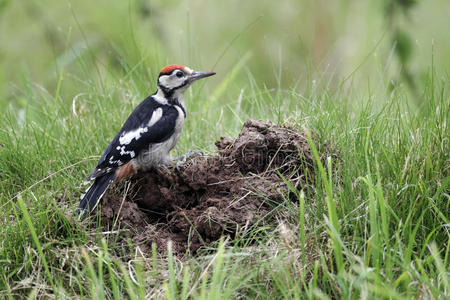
pixel 147 136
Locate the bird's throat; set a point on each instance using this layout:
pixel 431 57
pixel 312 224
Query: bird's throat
pixel 173 98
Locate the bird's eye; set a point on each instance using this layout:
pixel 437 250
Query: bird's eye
pixel 179 74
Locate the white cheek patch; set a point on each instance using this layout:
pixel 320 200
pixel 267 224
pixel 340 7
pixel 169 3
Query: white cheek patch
pixel 124 152
pixel 170 82
pixel 156 116
pixel 127 137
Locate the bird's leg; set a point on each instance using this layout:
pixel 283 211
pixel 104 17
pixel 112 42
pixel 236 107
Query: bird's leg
pixel 179 160
pixel 183 158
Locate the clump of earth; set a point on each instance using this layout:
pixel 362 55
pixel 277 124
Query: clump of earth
pixel 210 196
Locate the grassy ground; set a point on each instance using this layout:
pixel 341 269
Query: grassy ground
pixel 377 227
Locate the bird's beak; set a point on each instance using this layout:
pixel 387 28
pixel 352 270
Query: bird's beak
pixel 196 75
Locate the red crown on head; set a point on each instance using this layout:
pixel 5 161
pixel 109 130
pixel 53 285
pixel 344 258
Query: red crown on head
pixel 168 69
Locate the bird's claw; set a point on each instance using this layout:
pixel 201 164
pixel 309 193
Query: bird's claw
pixel 166 166
pixel 178 165
pixel 180 160
pixel 189 154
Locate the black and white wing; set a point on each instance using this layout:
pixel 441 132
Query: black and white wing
pixel 150 123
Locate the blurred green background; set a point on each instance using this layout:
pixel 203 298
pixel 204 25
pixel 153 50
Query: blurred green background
pixel 288 44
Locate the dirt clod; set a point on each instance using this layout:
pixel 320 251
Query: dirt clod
pixel 210 196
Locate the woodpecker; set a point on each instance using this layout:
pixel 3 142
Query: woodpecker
pixel 147 136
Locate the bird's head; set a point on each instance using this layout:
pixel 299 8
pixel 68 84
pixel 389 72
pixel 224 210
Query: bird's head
pixel 176 78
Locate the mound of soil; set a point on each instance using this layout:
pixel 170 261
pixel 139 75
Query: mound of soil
pixel 210 196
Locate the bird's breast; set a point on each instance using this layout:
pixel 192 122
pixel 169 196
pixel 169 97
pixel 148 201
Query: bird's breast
pixel 179 124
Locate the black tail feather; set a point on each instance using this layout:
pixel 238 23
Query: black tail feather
pixel 90 199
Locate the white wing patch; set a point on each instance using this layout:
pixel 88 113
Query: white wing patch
pixel 113 162
pixel 127 137
pixel 123 152
pixel 156 116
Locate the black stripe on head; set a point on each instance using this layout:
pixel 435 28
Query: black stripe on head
pixel 166 73
pixel 170 72
pixel 168 92
pixel 177 102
